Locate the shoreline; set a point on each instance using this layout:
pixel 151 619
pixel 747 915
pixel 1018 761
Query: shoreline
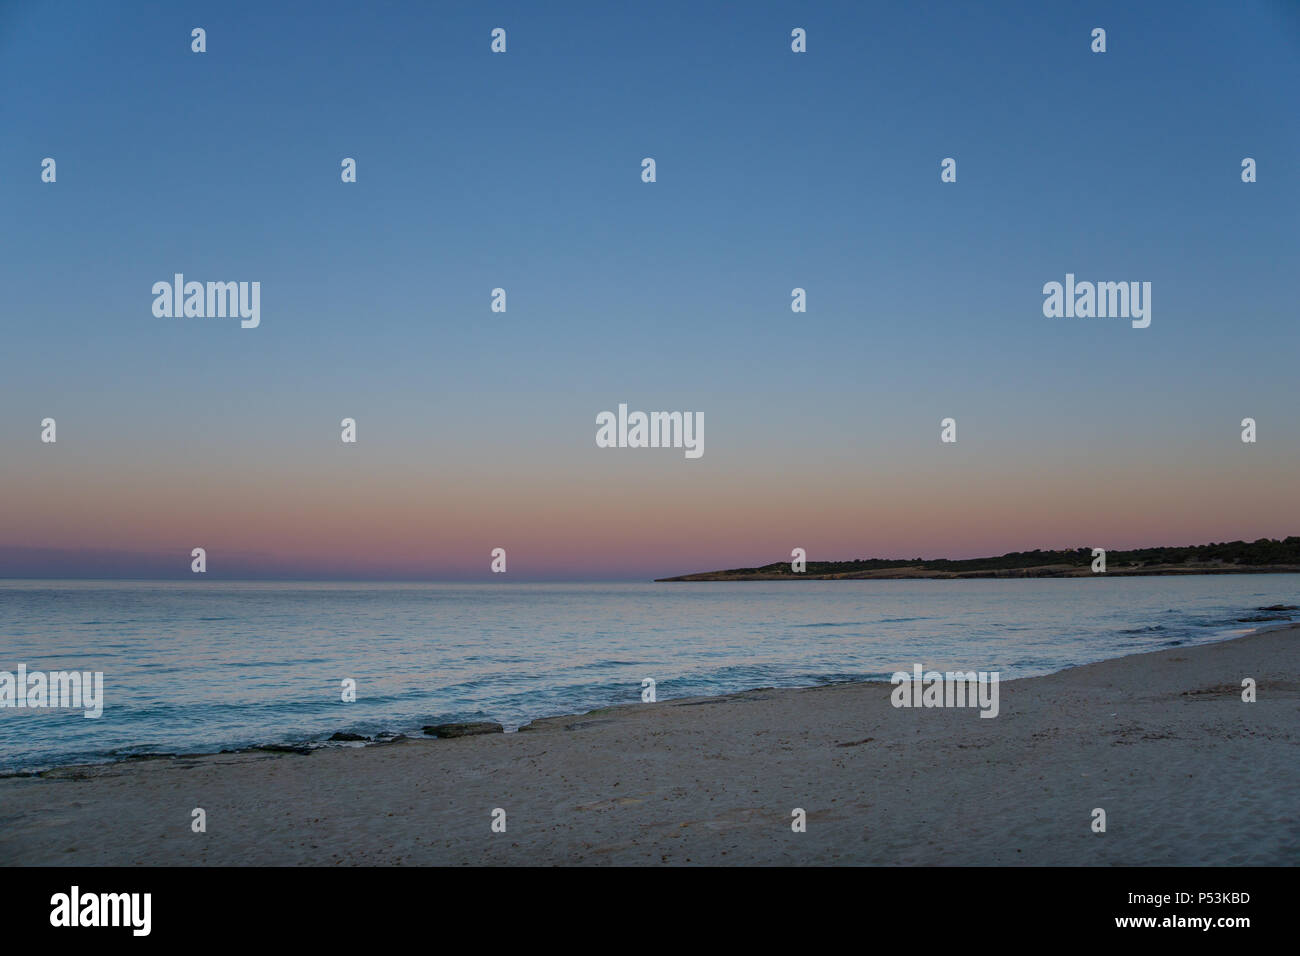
pixel 348 739
pixel 1188 774
pixel 1046 572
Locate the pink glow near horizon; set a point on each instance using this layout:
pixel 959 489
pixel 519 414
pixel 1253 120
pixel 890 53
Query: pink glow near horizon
pixel 580 526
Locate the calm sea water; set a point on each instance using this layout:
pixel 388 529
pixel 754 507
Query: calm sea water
pixel 191 668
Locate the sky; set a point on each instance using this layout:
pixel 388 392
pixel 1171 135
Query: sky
pixel 522 170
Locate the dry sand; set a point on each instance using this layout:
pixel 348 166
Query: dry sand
pixel 1186 771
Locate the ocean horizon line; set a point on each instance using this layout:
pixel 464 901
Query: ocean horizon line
pixel 210 580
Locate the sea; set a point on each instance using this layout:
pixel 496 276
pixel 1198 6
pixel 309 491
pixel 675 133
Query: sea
pixel 203 667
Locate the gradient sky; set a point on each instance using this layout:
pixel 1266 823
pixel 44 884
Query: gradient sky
pixel 775 170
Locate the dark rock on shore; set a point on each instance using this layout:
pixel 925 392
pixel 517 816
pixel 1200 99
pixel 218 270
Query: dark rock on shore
pixel 464 729
pixel 66 773
pixel 283 748
pixel 1281 607
pixel 342 735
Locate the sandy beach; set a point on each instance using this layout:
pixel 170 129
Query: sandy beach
pixel 1186 771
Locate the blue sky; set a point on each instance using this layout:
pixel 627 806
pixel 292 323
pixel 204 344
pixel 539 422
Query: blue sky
pixel 522 170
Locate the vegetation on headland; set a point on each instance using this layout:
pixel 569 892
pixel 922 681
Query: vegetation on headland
pixel 1267 555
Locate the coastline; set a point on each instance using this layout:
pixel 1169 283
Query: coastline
pixel 927 574
pixel 1161 740
pixel 354 736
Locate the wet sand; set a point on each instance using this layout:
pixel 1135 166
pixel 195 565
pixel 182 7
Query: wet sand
pixel 1186 771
